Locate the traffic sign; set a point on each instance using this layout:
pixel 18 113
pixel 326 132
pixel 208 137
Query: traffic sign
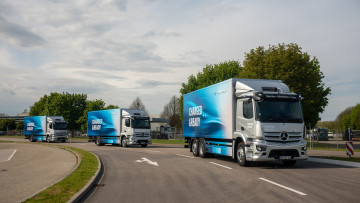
pixel 349 148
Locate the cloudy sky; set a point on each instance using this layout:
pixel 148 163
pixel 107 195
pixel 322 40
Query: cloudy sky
pixel 115 50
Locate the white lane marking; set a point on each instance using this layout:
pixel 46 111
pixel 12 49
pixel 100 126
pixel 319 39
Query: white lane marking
pixel 147 150
pixel 147 161
pixel 6 154
pixel 220 165
pixel 277 184
pixel 185 156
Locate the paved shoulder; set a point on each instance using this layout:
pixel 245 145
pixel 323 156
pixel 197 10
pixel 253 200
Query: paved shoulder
pixel 26 169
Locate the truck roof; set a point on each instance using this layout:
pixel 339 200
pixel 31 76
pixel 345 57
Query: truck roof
pixel 260 85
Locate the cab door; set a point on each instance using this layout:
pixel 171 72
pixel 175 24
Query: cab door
pixel 245 117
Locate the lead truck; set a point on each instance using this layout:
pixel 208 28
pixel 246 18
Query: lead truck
pixel 248 119
pixel 121 127
pixel 45 128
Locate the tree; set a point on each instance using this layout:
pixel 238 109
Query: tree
pixel 70 106
pixel 7 124
pixel 355 118
pixel 137 104
pixel 211 74
pixel 295 68
pixel 20 125
pixel 171 112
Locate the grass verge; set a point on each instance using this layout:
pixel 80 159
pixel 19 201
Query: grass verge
pixel 352 159
pixel 165 141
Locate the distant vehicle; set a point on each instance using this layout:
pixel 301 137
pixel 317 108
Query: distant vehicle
pixel 309 135
pixel 248 119
pixel 321 134
pixel 121 127
pixel 45 128
pixel 165 131
pixel 331 135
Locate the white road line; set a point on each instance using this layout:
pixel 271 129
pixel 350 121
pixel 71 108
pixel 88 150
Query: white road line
pixel 277 184
pixel 185 156
pixel 220 165
pixel 150 150
pixel 12 155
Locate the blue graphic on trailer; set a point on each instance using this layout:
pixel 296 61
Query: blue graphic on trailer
pixel 106 124
pixel 208 112
pixel 36 126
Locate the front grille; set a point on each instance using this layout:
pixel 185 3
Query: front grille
pixel 275 153
pixel 142 134
pixel 275 137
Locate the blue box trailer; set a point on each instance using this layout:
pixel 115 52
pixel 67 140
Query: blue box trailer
pixel 35 128
pixel 104 123
pixel 208 113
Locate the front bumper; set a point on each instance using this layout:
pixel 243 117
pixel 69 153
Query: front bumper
pixel 135 140
pixel 265 151
pixel 57 138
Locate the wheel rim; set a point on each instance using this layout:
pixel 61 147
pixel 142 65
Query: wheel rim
pixel 124 142
pixel 194 146
pixel 240 154
pixel 201 151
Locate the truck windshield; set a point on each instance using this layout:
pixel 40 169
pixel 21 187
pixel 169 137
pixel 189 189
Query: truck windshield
pixel 140 123
pixel 60 126
pixel 279 111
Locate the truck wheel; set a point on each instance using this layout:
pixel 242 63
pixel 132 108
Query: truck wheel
pixel 289 162
pixel 98 141
pixel 144 145
pixel 202 152
pixel 194 147
pixel 123 142
pixel 47 139
pixel 241 156
pixel 63 140
pixel 32 138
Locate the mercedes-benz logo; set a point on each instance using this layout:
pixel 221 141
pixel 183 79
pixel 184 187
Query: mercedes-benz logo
pixel 284 136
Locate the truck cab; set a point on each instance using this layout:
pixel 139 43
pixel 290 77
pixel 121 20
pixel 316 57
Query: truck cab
pixel 56 129
pixel 135 128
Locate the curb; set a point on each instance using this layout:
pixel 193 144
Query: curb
pixel 78 197
pixel 336 162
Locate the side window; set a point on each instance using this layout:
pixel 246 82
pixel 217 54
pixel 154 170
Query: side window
pixel 51 125
pixel 127 122
pixel 248 109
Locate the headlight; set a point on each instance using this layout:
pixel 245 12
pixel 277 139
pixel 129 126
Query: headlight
pixel 260 148
pixel 304 148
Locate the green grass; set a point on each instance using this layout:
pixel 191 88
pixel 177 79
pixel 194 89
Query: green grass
pixel 68 187
pixel 165 141
pixel 352 159
pixel 326 146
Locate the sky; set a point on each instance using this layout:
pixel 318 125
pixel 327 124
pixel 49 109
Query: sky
pixel 116 50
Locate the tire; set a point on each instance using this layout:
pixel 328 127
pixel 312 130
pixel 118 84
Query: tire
pixel 63 140
pixel 241 156
pixel 144 145
pixel 98 141
pixel 124 142
pixel 31 139
pixel 202 148
pixel 289 162
pixel 195 147
pixel 47 139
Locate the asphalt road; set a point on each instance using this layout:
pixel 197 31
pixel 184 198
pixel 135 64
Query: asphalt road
pixel 169 173
pixel 26 169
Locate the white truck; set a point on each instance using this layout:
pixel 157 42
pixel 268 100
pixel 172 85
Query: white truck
pixel 45 128
pixel 248 119
pixel 121 127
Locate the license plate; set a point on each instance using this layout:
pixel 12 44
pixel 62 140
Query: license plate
pixel 142 142
pixel 284 157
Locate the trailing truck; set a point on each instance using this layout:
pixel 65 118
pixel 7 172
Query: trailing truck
pixel 248 119
pixel 122 127
pixel 45 128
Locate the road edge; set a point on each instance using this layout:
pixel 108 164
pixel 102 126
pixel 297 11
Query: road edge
pixel 335 162
pixel 87 188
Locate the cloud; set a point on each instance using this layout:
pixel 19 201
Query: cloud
pixel 19 35
pixel 156 83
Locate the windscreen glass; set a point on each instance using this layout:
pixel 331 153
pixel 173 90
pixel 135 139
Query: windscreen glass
pixel 141 123
pixel 60 126
pixel 278 111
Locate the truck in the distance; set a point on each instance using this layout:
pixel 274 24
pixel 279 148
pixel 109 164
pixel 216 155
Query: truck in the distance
pixel 45 128
pixel 122 127
pixel 248 119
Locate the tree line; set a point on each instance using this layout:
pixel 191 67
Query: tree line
pixel 348 118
